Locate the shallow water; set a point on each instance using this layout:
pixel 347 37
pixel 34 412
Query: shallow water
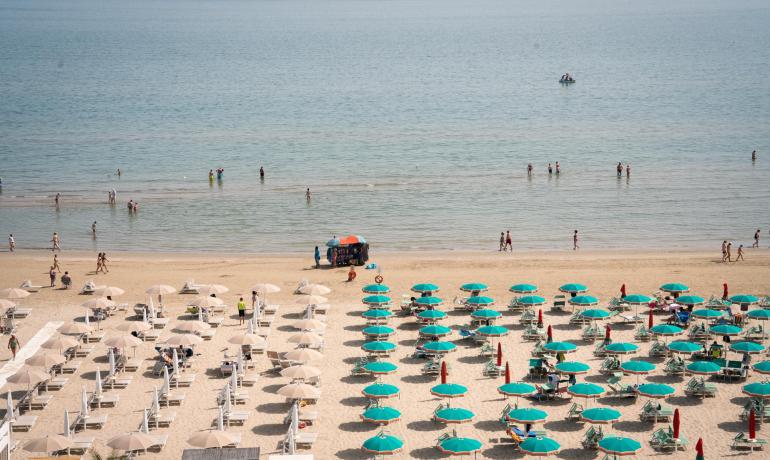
pixel 411 121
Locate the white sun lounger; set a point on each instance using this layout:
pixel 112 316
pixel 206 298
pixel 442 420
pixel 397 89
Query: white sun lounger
pixel 28 286
pixel 55 384
pixel 236 417
pixel 91 421
pixel 183 380
pixel 23 422
pixel 70 367
pixel 81 444
pixel 117 382
pixel 105 400
pixel 133 364
pixel 161 419
pixel 172 399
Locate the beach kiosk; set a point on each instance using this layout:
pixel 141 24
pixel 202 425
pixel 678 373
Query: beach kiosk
pixel 347 250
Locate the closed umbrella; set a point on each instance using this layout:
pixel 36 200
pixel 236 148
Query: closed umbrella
pixel 444 372
pixel 155 401
pixel 676 423
pixel 98 383
pixel 10 412
pixel 752 425
pixel 165 389
pixel 175 362
pixel 540 446
pixel 84 406
pixel 699 450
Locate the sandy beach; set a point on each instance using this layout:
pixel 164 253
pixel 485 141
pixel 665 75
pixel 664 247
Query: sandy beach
pixel 340 430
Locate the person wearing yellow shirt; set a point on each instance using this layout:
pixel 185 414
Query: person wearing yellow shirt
pixel 241 311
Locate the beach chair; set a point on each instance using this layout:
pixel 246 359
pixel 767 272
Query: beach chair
pixel 487 350
pixel 528 317
pixel 29 287
pixel 133 364
pixel 118 383
pixel 742 441
pixel 559 303
pixel 755 333
pixel 250 379
pixel 182 380
pixel 80 444
pixel 37 401
pixel 539 351
pixel 642 334
pixel 537 369
pixel 577 318
pixel 22 422
pixel 358 368
pixel 618 389
pixel 616 304
pixel 18 312
pixel 663 439
pixel 764 302
pixel 56 383
pixel 491 369
pixel 698 332
pixel 592 332
pixel 674 366
pixel 574 412
pixel 548 391
pixel 653 411
pixel 104 400
pixel 630 318
pixel 503 419
pixel 512 437
pixel 172 399
pixel 432 367
pixel 716 303
pixel 610 365
pixel 592 437
pixel 238 418
pixel 305 440
pixel 532 333
pixel 599 350
pixel 70 367
pixel 698 387
pixel 658 350
pixel 515 307
pixel 91 421
pixel 459 303
pixel 161 419
pixel 190 287
pixel 761 410
pixel 89 288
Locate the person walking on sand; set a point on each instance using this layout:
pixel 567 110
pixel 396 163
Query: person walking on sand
pixel 99 265
pixel 575 241
pixel 620 169
pixel 502 241
pixel 52 275
pixel 56 242
pixel 241 311
pixel 104 262
pixel 13 345
pixel 307 195
pixel 11 243
pixel 724 251
pixel 729 251
pixel 740 253
pixel 317 257
pixel 352 274
pixel 56 263
pixel 756 239
pixel 508 241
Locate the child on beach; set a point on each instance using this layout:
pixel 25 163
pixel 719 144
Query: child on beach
pixel 352 274
pixel 756 239
pixel 317 257
pixel 241 311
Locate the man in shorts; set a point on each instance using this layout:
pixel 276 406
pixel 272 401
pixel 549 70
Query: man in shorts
pixel 241 311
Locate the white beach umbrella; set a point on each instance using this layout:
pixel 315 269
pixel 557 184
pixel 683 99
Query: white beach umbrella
pixel 315 289
pixel 98 303
pixel 291 443
pixel 257 311
pixel 6 304
pixel 130 442
pixel 301 372
pixel 192 327
pixel 304 355
pixel 109 291
pixel 13 293
pixel 166 388
pixel 48 443
pixel 111 361
pixel 151 313
pixel 84 403
pixel 206 302
pixel 266 288
pixel 305 338
pixel 122 341
pixel 73 328
pixel 155 401
pixel 87 318
pixel 160 289
pixel 175 362
pixel 208 289
pixel 46 360
pixel 185 340
pixel 247 339
pixel 249 327
pixel 299 391
pixel 98 383
pixel 311 300
pixel 309 325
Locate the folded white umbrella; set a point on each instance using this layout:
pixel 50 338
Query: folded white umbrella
pixel 227 405
pixel 175 362
pixel 98 383
pixel 155 401
pixel 239 362
pixel 111 361
pixel 110 291
pixel 234 382
pixel 84 410
pixel 166 388
pixel 145 422
pixel 13 294
pixel 315 289
pixel 10 413
pixel 66 424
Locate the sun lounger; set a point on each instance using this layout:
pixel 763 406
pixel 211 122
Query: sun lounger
pixel 653 411
pixel 23 422
pixel 528 317
pixel 248 380
pixel 94 336
pixel 37 402
pixel 618 389
pixel 29 287
pixel 190 287
pixel 491 369
pixel 658 350
pixel 674 366
pixel 19 312
pixel 698 387
pixel 161 419
pixel 171 399
pixel 628 318
pixel 537 369
pixel 559 303
pixel 117 382
pixel 533 333
pixel 642 334
pixel 761 410
pixel 55 384
pixel 83 350
pixel 149 336
pixel 663 439
pixel 592 332
pixel 610 365
pixel 592 437
pixel 742 441
pixel 105 400
pixel 89 288
pixel 91 421
pixel 236 417
pixel 432 367
pixel 133 364
pixel 214 321
pixel 305 440
pixel 81 444
pixel 182 380
pixel 70 367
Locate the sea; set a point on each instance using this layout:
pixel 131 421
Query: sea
pixel 412 123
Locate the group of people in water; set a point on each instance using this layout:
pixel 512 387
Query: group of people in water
pixel 567 78
pixel 551 169
pixel 619 169
pixel 220 174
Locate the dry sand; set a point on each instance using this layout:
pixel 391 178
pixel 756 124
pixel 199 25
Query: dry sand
pixel 341 432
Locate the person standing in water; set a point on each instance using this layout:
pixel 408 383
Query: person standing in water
pixel 529 170
pixel 550 169
pixel 56 242
pixel 118 173
pixel 502 241
pixel 575 245
pixel 628 170
pixel 558 168
pixel 307 195
pixel 620 169
pixel 211 174
pixel 754 155
pixel 756 239
pixel 261 173
pixel 11 243
pixel 93 230
pixel 56 199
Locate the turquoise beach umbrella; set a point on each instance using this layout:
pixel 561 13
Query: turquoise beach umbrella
pixel 459 446
pixel 425 287
pixel 683 346
pixel 523 288
pixel 560 347
pixel 486 314
pixel 655 390
pixel 539 446
pixel 572 367
pixel 432 315
pixel 744 299
pixel 380 367
pixel 449 390
pixel 531 300
pixel 747 347
pixel 480 301
pixel 707 313
pixel 674 288
pixel 594 313
pixel 375 289
pixel 573 288
pixel 637 299
pixel 435 330
pixel 374 347
pixel 704 367
pixel 690 300
pixel 470 287
pixel 666 329
pixel 759 314
pixel 758 389
pixel 381 415
pixel 492 331
pixel 428 301
pixel 584 300
pixel 439 347
pixel 637 367
pixel 378 330
pixel 763 367
pixel 376 314
pixel 617 445
pixel 725 329
pixel 380 390
pixel 383 444
pixel 527 415
pixel 585 390
pixel 516 389
pixel 621 348
pixel 601 414
pixel 376 300
pixel 454 415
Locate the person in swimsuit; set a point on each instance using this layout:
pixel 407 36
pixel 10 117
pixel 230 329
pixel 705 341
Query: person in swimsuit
pixel 740 253
pixel 118 173
pixel 13 345
pixel 558 168
pixel 317 257
pixel 261 173
pixel 508 241
pixel 756 239
pixel 550 169
pixel 56 199
pixel 724 251
pixel 628 170
pixel 11 243
pixel 502 241
pixel 52 275
pixel 211 174
pixel 98 262
pixel 352 274
pixel 93 230
pixel 620 169
pixel 307 195
pixel 529 169
pixel 56 242
pixel 575 241
pixel 754 155
pixel 729 251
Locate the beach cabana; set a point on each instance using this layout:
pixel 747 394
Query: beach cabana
pixel 347 250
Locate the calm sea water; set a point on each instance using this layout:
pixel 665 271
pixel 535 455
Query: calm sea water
pixel 411 121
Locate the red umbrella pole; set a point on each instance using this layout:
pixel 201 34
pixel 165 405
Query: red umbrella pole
pixel 607 332
pixel 507 373
pixel 676 424
pixel 752 425
pixel 499 354
pixel 540 318
pixel 443 371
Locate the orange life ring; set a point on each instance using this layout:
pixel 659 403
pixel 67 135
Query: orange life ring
pixel 378 279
